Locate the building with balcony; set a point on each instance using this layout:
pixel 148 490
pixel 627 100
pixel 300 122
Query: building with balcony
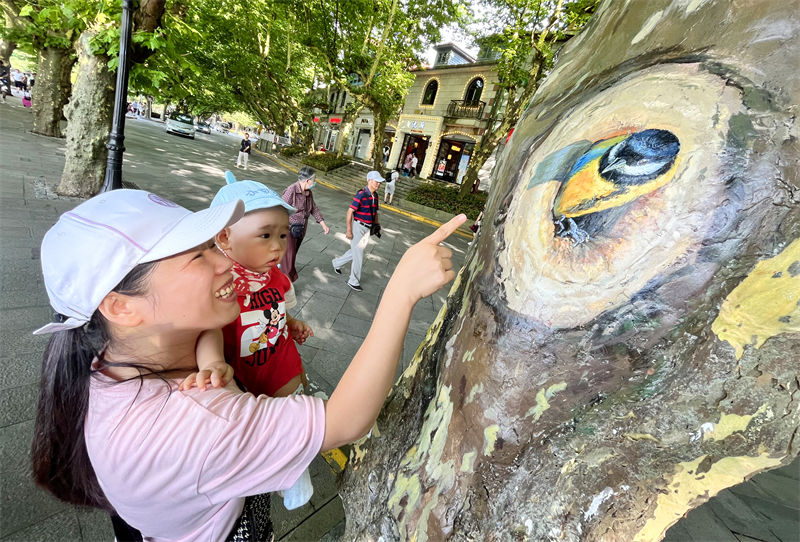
pixel 446 114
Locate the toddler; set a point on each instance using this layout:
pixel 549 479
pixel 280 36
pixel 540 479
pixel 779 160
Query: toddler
pixel 258 345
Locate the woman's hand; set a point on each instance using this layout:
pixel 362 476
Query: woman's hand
pixel 426 266
pixel 325 227
pixel 217 374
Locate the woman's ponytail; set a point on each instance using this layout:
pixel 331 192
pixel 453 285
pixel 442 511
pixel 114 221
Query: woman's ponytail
pixel 60 458
pixel 59 455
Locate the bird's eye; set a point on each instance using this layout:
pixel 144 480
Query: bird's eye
pixel 611 173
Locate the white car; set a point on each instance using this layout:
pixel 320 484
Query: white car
pixel 180 125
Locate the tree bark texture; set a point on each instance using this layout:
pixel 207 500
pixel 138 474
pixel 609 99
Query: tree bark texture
pixel 88 123
pixel 6 50
pixel 52 90
pixel 622 341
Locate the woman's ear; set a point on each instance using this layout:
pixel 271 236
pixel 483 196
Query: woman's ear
pixel 223 239
pixel 120 309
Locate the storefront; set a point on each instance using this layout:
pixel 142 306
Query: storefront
pixel 415 134
pixel 328 133
pixel 453 158
pixel 416 145
pixel 361 139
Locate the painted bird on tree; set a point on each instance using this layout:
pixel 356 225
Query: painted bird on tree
pixel 611 173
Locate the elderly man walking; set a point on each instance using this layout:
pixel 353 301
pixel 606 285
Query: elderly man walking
pixel 361 216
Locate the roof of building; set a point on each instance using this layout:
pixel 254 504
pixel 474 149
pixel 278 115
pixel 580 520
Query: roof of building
pixel 461 52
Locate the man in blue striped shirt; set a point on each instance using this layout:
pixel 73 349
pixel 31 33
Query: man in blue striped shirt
pixel 363 212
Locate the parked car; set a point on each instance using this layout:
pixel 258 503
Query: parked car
pixel 179 124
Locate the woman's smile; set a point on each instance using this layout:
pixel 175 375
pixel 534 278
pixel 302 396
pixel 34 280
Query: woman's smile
pixel 226 293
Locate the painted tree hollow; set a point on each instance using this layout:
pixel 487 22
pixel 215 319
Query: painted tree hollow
pixel 622 341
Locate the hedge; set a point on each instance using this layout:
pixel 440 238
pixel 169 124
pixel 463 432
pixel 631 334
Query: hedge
pixel 447 198
pixel 293 150
pixel 324 162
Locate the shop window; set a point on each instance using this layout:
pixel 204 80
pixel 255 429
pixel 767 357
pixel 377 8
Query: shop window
pixel 429 96
pixel 474 91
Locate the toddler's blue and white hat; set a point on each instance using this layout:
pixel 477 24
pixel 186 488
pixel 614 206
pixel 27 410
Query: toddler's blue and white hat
pixel 254 195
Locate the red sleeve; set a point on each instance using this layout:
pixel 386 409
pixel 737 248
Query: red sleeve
pixel 356 202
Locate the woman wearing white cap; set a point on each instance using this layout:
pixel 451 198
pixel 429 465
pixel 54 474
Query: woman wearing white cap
pixel 135 280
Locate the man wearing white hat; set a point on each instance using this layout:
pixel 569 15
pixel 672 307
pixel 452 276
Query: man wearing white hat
pixel 361 217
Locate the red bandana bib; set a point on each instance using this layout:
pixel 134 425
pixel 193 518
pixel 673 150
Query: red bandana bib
pixel 245 281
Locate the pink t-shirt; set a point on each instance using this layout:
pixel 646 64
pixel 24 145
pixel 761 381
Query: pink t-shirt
pixel 178 465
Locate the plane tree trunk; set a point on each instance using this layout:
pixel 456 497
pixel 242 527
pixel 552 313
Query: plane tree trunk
pixel 597 376
pixel 52 90
pixel 89 112
pixel 88 123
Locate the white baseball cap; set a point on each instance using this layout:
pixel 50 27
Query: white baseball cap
pixel 94 246
pixel 375 176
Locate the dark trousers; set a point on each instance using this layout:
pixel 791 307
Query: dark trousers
pixel 287 263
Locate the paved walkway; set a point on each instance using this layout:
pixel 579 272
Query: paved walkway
pixel 188 172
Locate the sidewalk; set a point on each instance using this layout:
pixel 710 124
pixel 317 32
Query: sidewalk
pixel 188 172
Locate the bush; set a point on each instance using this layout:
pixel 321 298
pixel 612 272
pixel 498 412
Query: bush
pixel 293 150
pixel 447 198
pixel 325 162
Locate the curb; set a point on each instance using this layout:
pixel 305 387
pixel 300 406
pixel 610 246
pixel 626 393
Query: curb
pixel 328 184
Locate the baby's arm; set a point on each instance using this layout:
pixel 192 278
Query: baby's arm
pixel 299 330
pixel 210 363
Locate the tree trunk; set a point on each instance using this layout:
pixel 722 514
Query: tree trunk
pixel 88 123
pixel 377 135
pixel 6 50
pixel 479 157
pixel 595 376
pixel 164 111
pixel 52 90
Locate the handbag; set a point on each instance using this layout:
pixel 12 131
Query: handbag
pixel 297 230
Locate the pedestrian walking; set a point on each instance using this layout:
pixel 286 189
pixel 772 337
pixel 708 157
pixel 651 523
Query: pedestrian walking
pixel 134 288
pixel 413 170
pixel 299 196
pixel 362 221
pixel 244 151
pixel 391 183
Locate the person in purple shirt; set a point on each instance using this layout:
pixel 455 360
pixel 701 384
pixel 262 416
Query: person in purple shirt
pixel 361 215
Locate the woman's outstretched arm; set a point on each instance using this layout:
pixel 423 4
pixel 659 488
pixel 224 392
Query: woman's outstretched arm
pixel 359 396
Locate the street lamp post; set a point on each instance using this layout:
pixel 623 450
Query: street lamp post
pixel 113 179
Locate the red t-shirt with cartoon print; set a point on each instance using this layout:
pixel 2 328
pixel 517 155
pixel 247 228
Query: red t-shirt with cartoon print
pixel 257 344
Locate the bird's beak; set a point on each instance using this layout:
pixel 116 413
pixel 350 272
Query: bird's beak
pixel 616 164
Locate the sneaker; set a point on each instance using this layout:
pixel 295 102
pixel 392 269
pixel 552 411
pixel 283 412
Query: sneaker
pixel 336 270
pixel 355 287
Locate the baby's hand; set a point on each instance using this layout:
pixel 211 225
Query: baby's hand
pixel 218 374
pixel 299 330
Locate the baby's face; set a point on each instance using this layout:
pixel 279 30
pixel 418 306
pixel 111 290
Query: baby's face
pixel 258 240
